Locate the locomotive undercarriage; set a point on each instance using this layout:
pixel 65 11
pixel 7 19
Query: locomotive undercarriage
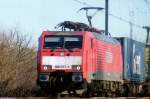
pixel 103 88
pixel 111 88
pixel 58 82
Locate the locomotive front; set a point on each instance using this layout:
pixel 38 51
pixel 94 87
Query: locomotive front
pixel 60 59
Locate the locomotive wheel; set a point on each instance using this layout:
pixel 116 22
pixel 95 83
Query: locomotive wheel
pixel 86 92
pixel 71 90
pixel 124 90
pixel 108 94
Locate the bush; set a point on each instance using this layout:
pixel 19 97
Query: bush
pixel 17 63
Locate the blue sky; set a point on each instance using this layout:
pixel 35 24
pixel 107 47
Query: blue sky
pixel 34 16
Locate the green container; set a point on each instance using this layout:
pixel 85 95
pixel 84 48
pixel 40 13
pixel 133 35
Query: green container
pixel 147 62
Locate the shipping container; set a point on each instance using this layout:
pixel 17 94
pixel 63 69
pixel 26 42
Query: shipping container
pixel 133 60
pixel 147 62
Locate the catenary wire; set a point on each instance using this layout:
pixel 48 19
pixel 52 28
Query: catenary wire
pixel 115 16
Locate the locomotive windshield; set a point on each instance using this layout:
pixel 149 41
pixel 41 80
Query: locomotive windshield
pixel 52 42
pixel 67 42
pixel 72 42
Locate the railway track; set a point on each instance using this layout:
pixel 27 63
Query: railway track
pixel 77 98
pixel 65 95
pixel 79 94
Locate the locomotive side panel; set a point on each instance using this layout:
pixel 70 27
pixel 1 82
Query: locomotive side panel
pixel 108 59
pixel 88 56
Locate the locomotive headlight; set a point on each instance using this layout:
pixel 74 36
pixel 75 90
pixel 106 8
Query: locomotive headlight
pixel 45 68
pixel 76 67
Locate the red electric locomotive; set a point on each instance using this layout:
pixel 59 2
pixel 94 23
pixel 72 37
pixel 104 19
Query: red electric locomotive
pixel 86 58
pixel 79 59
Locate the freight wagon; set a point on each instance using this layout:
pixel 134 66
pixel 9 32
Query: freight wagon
pixel 147 62
pixel 133 64
pixel 92 61
pixel 133 60
pixel 146 85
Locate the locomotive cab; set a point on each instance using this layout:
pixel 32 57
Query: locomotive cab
pixel 60 59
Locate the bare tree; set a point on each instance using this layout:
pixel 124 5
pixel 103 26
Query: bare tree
pixel 17 60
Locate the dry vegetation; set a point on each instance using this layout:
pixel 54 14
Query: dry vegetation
pixel 17 64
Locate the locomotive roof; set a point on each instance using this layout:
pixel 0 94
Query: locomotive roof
pixel 97 36
pixel 105 38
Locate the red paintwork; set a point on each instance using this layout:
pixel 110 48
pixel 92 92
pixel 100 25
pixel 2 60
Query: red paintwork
pixel 93 54
pixel 101 50
pixel 95 58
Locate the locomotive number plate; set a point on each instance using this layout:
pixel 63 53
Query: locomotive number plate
pixel 61 67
